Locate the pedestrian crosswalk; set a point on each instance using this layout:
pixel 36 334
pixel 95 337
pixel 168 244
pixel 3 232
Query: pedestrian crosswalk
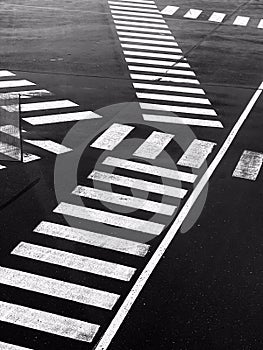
pixel 249 165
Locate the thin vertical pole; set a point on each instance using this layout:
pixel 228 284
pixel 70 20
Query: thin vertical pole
pixel 20 126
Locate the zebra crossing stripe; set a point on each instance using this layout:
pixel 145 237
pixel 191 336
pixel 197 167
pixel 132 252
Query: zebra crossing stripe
pixel 193 13
pixel 49 146
pixel 6 73
pixel 58 289
pixel 169 10
pixel 139 1
pixel 61 118
pixel 25 94
pixel 15 83
pixel 133 13
pixel 178 109
pixel 249 165
pixel 154 55
pixel 92 238
pixel 163 70
pixel 135 18
pixel 173 98
pixel 47 322
pixel 5 346
pixel 260 24
pixel 73 261
pixel 145 30
pixel 159 78
pixel 145 35
pixel 169 88
pixel 133 4
pixel 151 48
pixel 145 25
pixel 217 17
pixel 149 41
pixel 108 218
pixel 35 106
pixel 241 21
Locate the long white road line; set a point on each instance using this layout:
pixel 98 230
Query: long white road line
pixel 151 48
pixel 161 79
pixel 132 13
pixel 58 289
pixel 178 109
pixel 124 8
pixel 165 71
pixel 61 118
pixel 47 322
pixel 133 4
pixel 180 89
pixel 150 54
pixel 5 346
pixel 143 35
pixel 95 239
pixel 74 261
pixel 118 319
pixel 172 98
pixel 149 41
pixel 129 23
pixel 146 30
pixel 135 18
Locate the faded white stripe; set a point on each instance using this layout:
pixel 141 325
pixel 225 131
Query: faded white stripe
pixel 15 83
pixel 5 346
pixel 217 17
pixel 169 10
pixel 49 146
pixel 61 118
pixel 181 120
pixel 249 165
pixel 169 88
pixel 25 94
pixel 193 14
pixel 241 21
pixel 173 98
pixel 178 109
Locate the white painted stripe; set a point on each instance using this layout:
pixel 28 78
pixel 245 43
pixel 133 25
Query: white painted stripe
pixel 140 1
pixel 181 120
pixel 57 288
pixel 165 71
pixel 5 346
pixel 150 54
pixel 145 25
pixel 152 62
pixel 146 30
pixel 25 94
pixel 49 146
pixel 112 219
pixel 6 73
pixel 138 184
pixel 47 322
pixel 151 48
pixel 196 153
pixel 193 14
pixel 178 109
pixel 126 8
pixel 169 88
pixel 131 13
pixel 169 10
pixel 241 21
pixel 173 98
pixel 135 18
pixel 27 157
pixel 61 118
pixel 149 41
pixel 92 238
pixel 260 24
pixel 28 107
pixel 10 130
pixel 10 150
pixel 153 145
pixel 73 261
pixel 118 319
pixel 249 165
pixel 143 35
pixel 131 4
pixel 2 167
pixel 15 83
pixel 159 78
pixel 149 169
pixel 123 200
pixel 112 136
pixel 217 17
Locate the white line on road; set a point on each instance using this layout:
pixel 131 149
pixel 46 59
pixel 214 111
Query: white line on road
pixel 150 54
pixel 35 106
pixel 241 21
pixel 139 1
pixel 131 13
pixel 61 118
pixel 126 8
pixel 173 98
pixel 135 18
pixel 151 48
pixel 169 10
pixel 150 41
pixel 178 109
pixel 25 94
pixel 112 137
pixel 146 30
pixel 143 35
pixel 108 218
pixel 118 319
pixel 193 14
pixel 217 17
pixel 15 83
pixel 47 322
pixel 5 346
pixel 131 4
pixel 74 261
pixel 249 165
pixel 260 24
pixel 164 70
pixel 92 238
pixel 49 146
pixel 6 73
pixel 181 89
pixel 57 288
pixel 130 23
pixel 162 79
pixel 153 145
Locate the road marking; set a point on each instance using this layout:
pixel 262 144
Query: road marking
pixel 140 1
pixel 150 62
pixel 151 48
pixel 6 73
pixel 249 165
pixel 146 30
pixel 129 23
pixel 27 157
pixel 260 24
pixel 47 322
pixel 135 18
pixel 124 200
pixel 92 238
pixel 5 346
pixel 112 137
pixel 161 79
pixel 35 106
pixel 217 17
pixel 25 94
pixel 143 35
pixel 181 120
pixel 61 118
pixel 120 316
pixel 49 146
pixel 196 153
pixel 241 21
pixel 2 167
pixel 150 54
pixel 150 169
pixel 15 83
pixel 193 14
pixel 131 4
pixel 126 8
pixel 57 288
pixel 131 13
pixel 10 150
pixel 152 42
pixel 112 219
pixel 178 109
pixel 169 10
pixel 153 145
pixel 169 88
pixel 164 70
pixel 138 184
pixel 73 261
pixel 173 98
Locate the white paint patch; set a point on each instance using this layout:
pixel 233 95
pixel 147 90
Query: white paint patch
pixel 62 118
pixel 25 94
pixel 36 106
pixel 183 121
pixel 47 322
pixel 162 70
pixel 173 98
pixel 15 83
pixel 92 238
pixel 150 54
pixel 58 289
pixel 151 48
pixel 159 78
pixel 49 146
pixel 10 130
pixel 133 4
pixel 169 88
pixel 169 10
pixel 112 137
pixel 135 18
pixel 217 17
pixel 5 346
pixel 131 13
pixel 27 157
pixel 249 165
pixel 153 145
pixel 10 150
pixel 6 73
pixel 149 41
pixel 150 169
pixel 140 1
pixel 2 167
pixel 126 8
pixel 74 261
pixel 196 153
pixel 123 200
pixel 241 21
pixel 138 184
pixel 193 13
pixel 112 219
pixel 143 35
pixel 260 24
pixel 145 30
pixel 145 25
pixel 178 109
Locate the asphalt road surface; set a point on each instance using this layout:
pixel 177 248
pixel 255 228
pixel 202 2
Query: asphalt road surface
pixel 135 219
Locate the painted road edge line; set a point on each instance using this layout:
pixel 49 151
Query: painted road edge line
pixel 107 337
